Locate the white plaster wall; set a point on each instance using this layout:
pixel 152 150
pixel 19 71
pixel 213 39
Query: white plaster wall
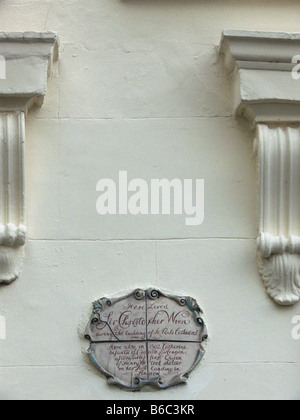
pixel 139 87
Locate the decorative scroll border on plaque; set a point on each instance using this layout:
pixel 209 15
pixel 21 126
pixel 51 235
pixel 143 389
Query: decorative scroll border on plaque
pixel 152 294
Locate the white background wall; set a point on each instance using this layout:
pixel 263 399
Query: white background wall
pixel 139 87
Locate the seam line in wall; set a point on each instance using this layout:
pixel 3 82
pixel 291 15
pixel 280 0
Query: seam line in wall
pixel 144 239
pixel 196 117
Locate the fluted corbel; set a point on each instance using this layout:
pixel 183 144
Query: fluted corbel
pixel 268 96
pixel 25 63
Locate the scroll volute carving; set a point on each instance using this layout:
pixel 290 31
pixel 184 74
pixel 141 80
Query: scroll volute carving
pixel 261 65
pixel 26 61
pixel 278 155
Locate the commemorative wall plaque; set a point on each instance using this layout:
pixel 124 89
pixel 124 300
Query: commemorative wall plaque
pixel 146 338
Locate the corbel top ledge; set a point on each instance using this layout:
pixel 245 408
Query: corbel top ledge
pixel 28 36
pixel 266 79
pixel 26 60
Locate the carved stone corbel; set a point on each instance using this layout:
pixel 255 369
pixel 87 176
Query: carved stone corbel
pixel 267 94
pixel 26 61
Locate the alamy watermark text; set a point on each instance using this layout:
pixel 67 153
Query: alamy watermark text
pixel 296 328
pixel 2 68
pixel 2 328
pixel 160 196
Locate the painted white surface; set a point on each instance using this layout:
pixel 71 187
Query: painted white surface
pixel 140 87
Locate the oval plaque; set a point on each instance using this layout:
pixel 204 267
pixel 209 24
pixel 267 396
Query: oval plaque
pixel 147 337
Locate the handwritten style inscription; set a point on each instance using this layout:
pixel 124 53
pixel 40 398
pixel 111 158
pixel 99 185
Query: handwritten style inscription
pixel 146 338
